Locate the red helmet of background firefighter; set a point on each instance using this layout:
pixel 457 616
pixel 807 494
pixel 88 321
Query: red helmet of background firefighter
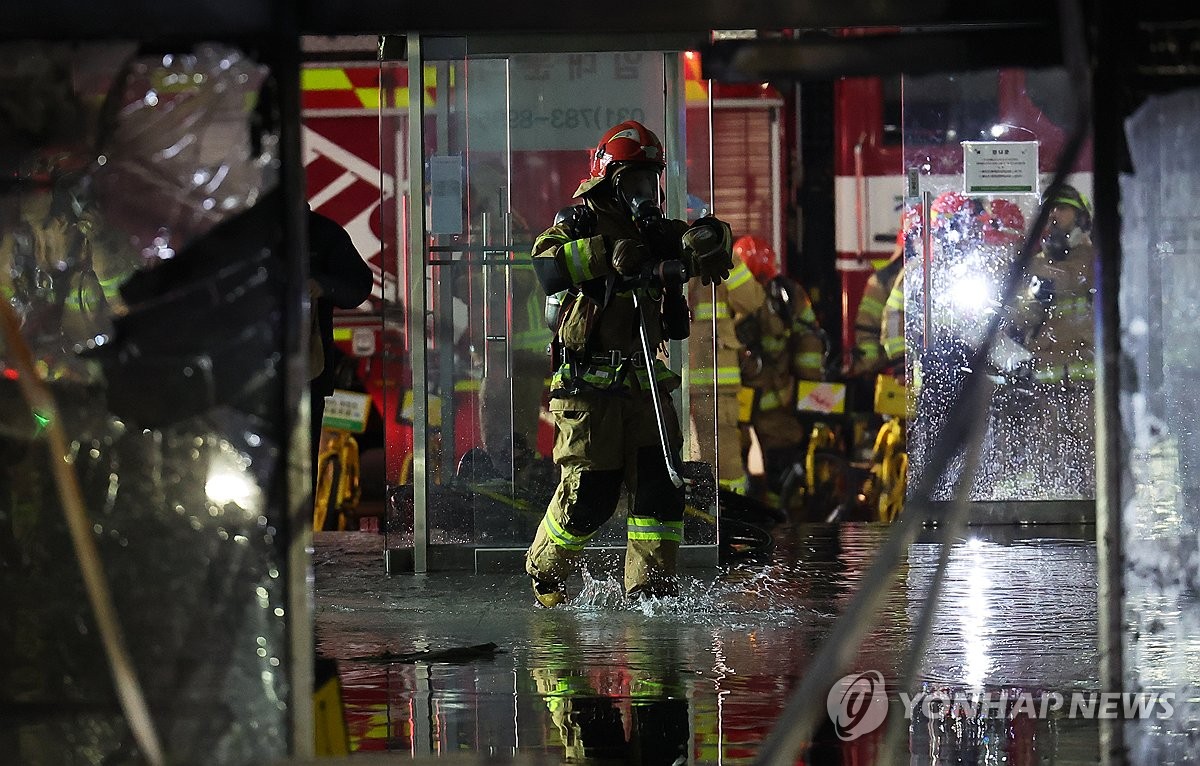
pixel 958 223
pixel 615 266
pixel 759 257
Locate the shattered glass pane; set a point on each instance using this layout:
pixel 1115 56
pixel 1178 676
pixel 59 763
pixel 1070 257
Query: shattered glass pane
pixel 1037 415
pixel 141 262
pixel 1160 276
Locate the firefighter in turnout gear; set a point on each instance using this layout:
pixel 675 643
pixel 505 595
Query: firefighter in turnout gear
pixel 613 267
pixel 868 356
pixel 1055 321
pixel 781 344
pixel 878 353
pixel 732 301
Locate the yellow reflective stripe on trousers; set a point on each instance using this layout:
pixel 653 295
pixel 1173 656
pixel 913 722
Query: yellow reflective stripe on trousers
pixel 561 537
pixel 893 345
pixel 868 353
pixel 726 376
pixel 870 306
pixel 653 529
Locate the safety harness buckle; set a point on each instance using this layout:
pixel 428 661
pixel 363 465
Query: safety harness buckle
pixel 615 359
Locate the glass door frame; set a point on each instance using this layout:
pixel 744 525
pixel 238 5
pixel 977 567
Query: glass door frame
pixel 672 48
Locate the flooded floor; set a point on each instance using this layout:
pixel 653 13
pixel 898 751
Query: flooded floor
pixel 703 678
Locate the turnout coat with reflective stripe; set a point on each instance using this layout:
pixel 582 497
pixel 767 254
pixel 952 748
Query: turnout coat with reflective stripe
pixel 589 258
pixel 1059 328
pixel 736 297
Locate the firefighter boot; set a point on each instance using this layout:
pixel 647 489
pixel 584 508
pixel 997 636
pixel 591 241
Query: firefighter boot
pixel 548 594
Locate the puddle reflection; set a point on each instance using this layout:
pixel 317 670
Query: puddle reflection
pixel 704 677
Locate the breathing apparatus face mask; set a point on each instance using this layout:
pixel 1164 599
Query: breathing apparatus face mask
pixel 637 186
pixel 1059 238
pixel 1061 233
pixel 1056 241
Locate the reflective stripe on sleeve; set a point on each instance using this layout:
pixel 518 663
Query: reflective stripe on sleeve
pixel 575 258
pixel 809 359
pixel 738 276
pixel 726 376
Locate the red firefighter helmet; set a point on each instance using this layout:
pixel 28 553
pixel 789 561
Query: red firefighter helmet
pixel 1002 222
pixel 949 210
pixel 629 141
pixel 758 255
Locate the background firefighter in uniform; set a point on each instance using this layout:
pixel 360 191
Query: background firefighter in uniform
pixel 781 345
pixel 607 435
pixel 870 362
pixel 868 356
pixel 1055 320
pixel 730 302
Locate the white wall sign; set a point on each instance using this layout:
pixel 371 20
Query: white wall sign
pixel 997 167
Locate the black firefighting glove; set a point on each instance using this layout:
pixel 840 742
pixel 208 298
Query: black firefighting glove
pixel 707 248
pixel 629 256
pixel 578 221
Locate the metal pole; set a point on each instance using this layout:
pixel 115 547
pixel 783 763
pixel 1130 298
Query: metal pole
pixel 676 479
pixel 296 395
pixel 1107 233
pixel 926 263
pixel 417 310
pixel 675 146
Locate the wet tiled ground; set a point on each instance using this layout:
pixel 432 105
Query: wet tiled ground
pixel 703 678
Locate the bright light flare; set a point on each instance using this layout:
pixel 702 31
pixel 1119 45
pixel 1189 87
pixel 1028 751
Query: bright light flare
pixel 972 294
pixel 229 481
